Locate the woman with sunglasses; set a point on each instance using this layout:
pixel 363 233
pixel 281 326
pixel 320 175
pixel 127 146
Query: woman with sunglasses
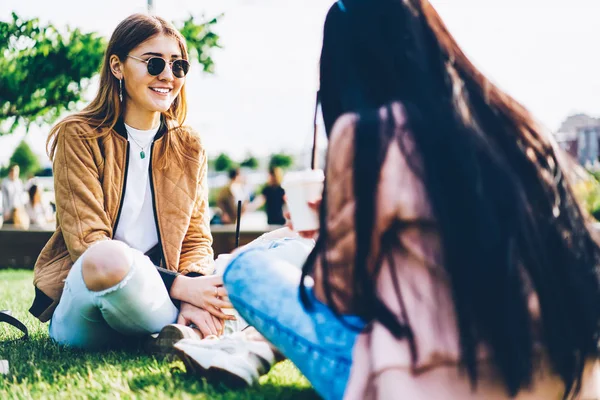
pixel 132 250
pixel 450 236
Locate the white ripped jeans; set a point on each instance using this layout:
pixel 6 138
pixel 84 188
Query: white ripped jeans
pixel 139 305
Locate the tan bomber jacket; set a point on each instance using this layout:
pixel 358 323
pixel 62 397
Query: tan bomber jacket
pixel 90 182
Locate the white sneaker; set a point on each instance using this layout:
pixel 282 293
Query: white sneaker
pixel 231 360
pixel 161 344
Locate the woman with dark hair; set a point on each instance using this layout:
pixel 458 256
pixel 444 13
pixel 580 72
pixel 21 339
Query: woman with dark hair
pixel 450 235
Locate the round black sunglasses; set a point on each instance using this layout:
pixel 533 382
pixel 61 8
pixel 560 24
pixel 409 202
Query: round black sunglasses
pixel 156 66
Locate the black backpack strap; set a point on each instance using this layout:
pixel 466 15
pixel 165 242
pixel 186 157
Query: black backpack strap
pixel 9 319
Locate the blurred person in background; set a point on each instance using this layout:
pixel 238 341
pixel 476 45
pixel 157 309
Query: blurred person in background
pixel 229 195
pixel 272 197
pixel 39 211
pixel 12 193
pixel 21 219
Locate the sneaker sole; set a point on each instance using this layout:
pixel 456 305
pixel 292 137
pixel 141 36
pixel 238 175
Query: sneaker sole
pixel 211 374
pixel 162 346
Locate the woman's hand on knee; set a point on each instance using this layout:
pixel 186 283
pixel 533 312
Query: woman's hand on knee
pixel 206 292
pixel 204 321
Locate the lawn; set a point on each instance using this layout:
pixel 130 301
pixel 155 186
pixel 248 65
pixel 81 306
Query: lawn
pixel 41 369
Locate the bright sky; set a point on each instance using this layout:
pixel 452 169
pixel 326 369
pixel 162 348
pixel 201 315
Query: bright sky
pixel 543 52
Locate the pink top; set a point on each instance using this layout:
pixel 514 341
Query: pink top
pixel 382 367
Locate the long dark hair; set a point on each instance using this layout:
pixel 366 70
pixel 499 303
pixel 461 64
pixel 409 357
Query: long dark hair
pixel 505 212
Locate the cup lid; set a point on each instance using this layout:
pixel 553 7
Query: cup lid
pixel 307 175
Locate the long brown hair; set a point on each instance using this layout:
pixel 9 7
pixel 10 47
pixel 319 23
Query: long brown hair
pixel 506 214
pixel 102 114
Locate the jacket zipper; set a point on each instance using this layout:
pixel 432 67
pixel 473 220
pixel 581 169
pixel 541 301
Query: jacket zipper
pixel 162 253
pixel 122 191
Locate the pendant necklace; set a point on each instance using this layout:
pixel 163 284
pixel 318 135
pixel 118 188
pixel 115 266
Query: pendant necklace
pixel 142 152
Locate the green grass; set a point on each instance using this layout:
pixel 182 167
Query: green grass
pixel 41 369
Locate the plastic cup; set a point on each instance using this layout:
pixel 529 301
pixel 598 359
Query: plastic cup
pixel 302 187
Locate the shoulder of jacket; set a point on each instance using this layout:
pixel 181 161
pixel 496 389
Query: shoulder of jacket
pixel 75 132
pixel 192 142
pixel 82 129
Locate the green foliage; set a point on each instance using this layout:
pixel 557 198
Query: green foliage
pixel 41 369
pixel 281 160
pixel 251 162
pixel 213 195
pixel 592 200
pixel 25 159
pixel 224 163
pixel 595 174
pixel 45 71
pixel 201 39
pixel 588 193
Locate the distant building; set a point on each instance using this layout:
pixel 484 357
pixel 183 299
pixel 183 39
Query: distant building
pixel 579 135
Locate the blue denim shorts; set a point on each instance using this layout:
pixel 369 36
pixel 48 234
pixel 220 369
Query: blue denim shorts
pixel 263 283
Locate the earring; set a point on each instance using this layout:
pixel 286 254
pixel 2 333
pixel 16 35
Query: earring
pixel 121 90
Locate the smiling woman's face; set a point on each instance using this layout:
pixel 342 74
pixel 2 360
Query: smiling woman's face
pixel 147 93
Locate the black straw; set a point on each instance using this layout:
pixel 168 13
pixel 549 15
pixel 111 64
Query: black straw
pixel 313 161
pixel 237 224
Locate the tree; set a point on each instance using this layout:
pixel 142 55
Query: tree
pixel 224 163
pixel 25 159
pixel 281 160
pixel 44 71
pixel 251 162
pixel 201 39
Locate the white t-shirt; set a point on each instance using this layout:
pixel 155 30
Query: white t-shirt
pixel 137 225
